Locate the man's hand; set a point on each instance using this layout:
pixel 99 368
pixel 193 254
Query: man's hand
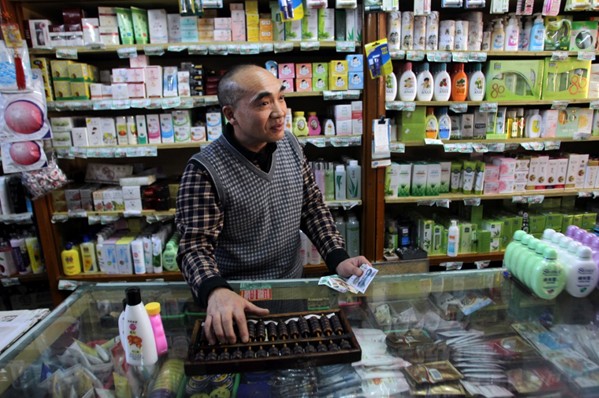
pixel 351 266
pixel 225 309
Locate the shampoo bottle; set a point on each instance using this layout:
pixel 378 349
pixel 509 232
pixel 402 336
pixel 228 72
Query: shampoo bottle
pixel 313 124
pixel 329 181
pixel 548 278
pixel 533 124
pixel 425 83
pixel 88 255
pixel 442 90
pixel 169 256
pixel 35 254
pixel 153 310
pixel 71 263
pixel 524 40
pixel 137 253
pixel 431 124
pixel 459 86
pixel 340 182
pixel 582 273
pixel 329 127
pixel 497 36
pixel 139 338
pixel 390 87
pixel 453 239
pixel 444 124
pixel 354 180
pixel 537 35
pixel 512 35
pixel 407 84
pixel 300 126
pixel 511 247
pixel 476 88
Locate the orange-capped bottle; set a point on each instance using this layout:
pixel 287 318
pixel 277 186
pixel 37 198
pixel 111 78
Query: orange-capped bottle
pixel 459 84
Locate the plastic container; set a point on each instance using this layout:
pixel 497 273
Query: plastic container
pixel 582 273
pixel 548 278
pixel 407 84
pixel 425 84
pixel 313 124
pixel 340 182
pixel 153 310
pixel 300 125
pixel 511 247
pixel 353 235
pixel 139 338
pixel 354 180
pixel 88 255
pixel 442 90
pixel 71 263
pixel 453 239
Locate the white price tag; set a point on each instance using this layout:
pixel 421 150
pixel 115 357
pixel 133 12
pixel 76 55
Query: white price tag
pixel 154 50
pixel 77 214
pixel 428 203
pixel 127 52
pixel 155 103
pixel 210 100
pixel 283 47
pixel 586 55
pixel 519 199
pixel 266 47
pixel 559 55
pixel 397 147
pixel 465 147
pixel 249 49
pixel 415 55
pixel 584 194
pixel 450 148
pixel 332 95
pixel 120 104
pixel 171 102
pixel 452 266
pixel 102 105
pixel 66 53
pixel 197 50
pixel 488 107
pixel 594 105
pixel 432 141
pixel 439 56
pixel 496 147
pixel 6 282
pixel 479 147
pixel 317 142
pixel 345 46
pixel 140 103
pixel 472 202
pixel 310 46
pixel 176 49
pixel 459 107
pixel 552 145
pixel 536 199
pixel 477 56
pixel 398 54
pixel 341 141
pixel 459 57
pixel 559 105
pixel 186 103
pixel 481 264
pixel 443 203
pixel 218 49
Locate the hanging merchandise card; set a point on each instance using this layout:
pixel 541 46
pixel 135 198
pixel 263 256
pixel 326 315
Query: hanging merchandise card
pixel 379 60
pixel 380 146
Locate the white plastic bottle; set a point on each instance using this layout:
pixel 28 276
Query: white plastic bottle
pixel 524 40
pixel 512 34
pixel 390 87
pixel 582 273
pixel 442 90
pixel 340 182
pixel 340 224
pixel 444 124
pixel 407 84
pixel 425 84
pixel 139 337
pixel 353 235
pixel 537 35
pixel 497 36
pixel 137 252
pixel 453 239
pixel 533 124
pixel 476 88
pixel 354 180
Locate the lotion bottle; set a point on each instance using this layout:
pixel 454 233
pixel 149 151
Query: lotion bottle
pixel 313 124
pixel 153 310
pixel 442 80
pixel 329 182
pixel 511 247
pixel 353 235
pixel 340 182
pixel 444 124
pixel 354 180
pixel 459 85
pixel 71 262
pixel 548 278
pixel 497 36
pixel 139 338
pixel 453 239
pixel 476 88
pixel 431 124
pixel 329 127
pixel 533 124
pixel 582 273
pixel 537 35
pixel 88 255
pixel 425 83
pixel 300 126
pixel 390 87
pixel 407 84
pixel 512 35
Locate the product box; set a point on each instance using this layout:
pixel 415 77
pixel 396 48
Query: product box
pixel 166 128
pixel 575 123
pixel 62 90
pixel 108 131
pixel 514 80
pixel 153 75
pixel 158 26
pixel 466 238
pixel 286 71
pixel 79 136
pixel 425 234
pixel 320 83
pixel 40 33
pixel 536 223
pixel 355 81
pixel 123 254
pixel 583 36
pixel 411 125
pixel 141 61
pixel 94 131
pixel 174 28
pixel 577 164
pixel 567 79
pixel 404 179
pixel 320 70
pixel 556 173
pixel 326 24
pixel 357 117
pixel 109 35
pixel 437 240
pixel 293 30
pixel 303 84
pixel 445 177
pixel 61 139
pixel 107 17
pixel 60 69
pixel 419 178
pixel 591 173
pixel 153 125
pixel 355 62
pixel 214 125
pixel 303 70
pixel 120 91
pixel 392 180
pixel 113 199
pixel 79 72
pixel 182 125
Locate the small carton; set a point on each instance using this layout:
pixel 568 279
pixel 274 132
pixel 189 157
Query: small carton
pixel 537 174
pixel 419 178
pixel 433 179
pixel 575 175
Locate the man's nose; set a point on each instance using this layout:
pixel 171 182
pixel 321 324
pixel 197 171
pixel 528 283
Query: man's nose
pixel 279 109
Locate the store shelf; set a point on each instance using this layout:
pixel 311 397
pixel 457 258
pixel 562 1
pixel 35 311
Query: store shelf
pixel 500 141
pixel 205 47
pixel 20 279
pixel 458 196
pixel 16 218
pixel 407 105
pixel 481 56
pixel 322 141
pixel 167 276
pixel 466 258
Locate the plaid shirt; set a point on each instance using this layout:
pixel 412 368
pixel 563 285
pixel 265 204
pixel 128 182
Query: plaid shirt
pixel 200 219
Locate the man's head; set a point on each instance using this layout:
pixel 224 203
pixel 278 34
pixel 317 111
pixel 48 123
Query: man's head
pixel 253 102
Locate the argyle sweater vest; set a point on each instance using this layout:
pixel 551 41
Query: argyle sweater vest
pixel 262 210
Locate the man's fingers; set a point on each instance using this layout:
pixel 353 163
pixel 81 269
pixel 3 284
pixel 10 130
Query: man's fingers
pixel 217 327
pixel 208 330
pixel 242 327
pixel 228 329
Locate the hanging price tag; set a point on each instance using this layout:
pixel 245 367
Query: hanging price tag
pixel 345 46
pixel 210 100
pixel 459 107
pixel 452 266
pixel 332 95
pixel 266 47
pixel 340 141
pixel 397 147
pixel 465 147
pixel 120 104
pixel 310 46
pixel 154 50
pixel 428 203
pixel 432 141
pixel 536 199
pixel 102 105
pixel 450 148
pixel 218 49
pixel 249 49
pixel 172 102
pixel 127 52
pixel 283 47
pixel 594 105
pixel 497 147
pixel 481 264
pixel 140 103
pixel 488 107
pixel 559 55
pixel 398 54
pixel 479 147
pixel 559 105
pixel 439 56
pixel 317 142
pixel 415 55
pixel 459 57
pixel 472 202
pixel 66 53
pixel 519 199
pixel 477 56
pixel 585 194
pixel 176 49
pixel 552 145
pixel 443 203
pixel 197 50
pixel 586 55
pixel 186 103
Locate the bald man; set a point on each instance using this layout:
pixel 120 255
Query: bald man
pixel 242 202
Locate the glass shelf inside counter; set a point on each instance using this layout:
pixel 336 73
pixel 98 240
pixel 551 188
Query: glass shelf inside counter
pixel 450 321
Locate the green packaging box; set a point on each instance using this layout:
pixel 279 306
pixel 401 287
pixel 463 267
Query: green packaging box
pixel 465 238
pixel 483 241
pixel 411 125
pixel 554 221
pixel 536 223
pixel 589 220
pixel 514 80
pixel 567 220
pixel 566 79
pixel 437 243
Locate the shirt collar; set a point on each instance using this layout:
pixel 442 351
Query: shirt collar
pixel 262 157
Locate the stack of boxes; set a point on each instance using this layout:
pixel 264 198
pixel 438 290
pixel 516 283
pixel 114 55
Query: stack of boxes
pixel 72 80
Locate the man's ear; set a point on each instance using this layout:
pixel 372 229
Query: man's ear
pixel 228 112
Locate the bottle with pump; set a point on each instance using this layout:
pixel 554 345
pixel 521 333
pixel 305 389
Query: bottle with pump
pixel 153 310
pixel 425 84
pixel 525 256
pixel 537 35
pixel 71 262
pixel 533 124
pixel 444 124
pixel 329 182
pixel 548 277
pixel 300 126
pixel 353 235
pixel 497 36
pixel 453 239
pixel 313 124
pixel 340 182
pixel 431 124
pixel 407 84
pixel 476 88
pixel 139 338
pixel 459 85
pixel 354 180
pixel 525 34
pixel 88 255
pixel 512 34
pixel 390 87
pixel 442 80
pixel 582 273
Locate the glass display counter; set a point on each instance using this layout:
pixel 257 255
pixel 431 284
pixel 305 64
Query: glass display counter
pixel 453 333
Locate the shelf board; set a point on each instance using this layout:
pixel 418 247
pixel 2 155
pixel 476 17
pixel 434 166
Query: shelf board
pixel 466 257
pixel 20 279
pixel 390 104
pixel 458 196
pixel 263 47
pixel 401 55
pixel 502 141
pixel 167 276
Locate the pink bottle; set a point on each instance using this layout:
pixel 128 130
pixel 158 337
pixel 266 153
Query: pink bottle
pixel 153 310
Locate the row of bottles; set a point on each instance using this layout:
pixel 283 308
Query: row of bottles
pixel 551 264
pixel 338 181
pixel 514 36
pixel 348 227
pixel 422 85
pixel 20 253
